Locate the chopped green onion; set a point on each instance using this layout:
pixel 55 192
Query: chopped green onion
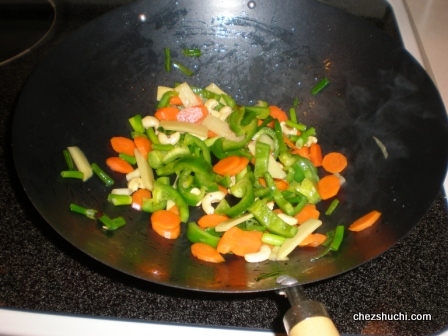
pixel 152 135
pixel 167 53
pixel 337 240
pixel 119 199
pixel 165 99
pixel 69 160
pixel 89 213
pixel 300 127
pixel 111 224
pixel 332 207
pixel 267 275
pixel 102 175
pixel 161 147
pixel 293 115
pixel 194 52
pixel 182 68
pixel 320 86
pixel 272 239
pixel 128 158
pixel 76 174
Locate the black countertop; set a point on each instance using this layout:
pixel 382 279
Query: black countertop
pixel 40 271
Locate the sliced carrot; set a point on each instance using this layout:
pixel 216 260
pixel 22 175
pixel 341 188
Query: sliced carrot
pixel 143 145
pixel 240 242
pixel 244 161
pixel 174 209
pixel 328 186
pixel 289 143
pixel 119 165
pixel 211 220
pixel 165 219
pixel 138 197
pixel 316 155
pixel 211 134
pixel 334 162
pixel 207 253
pixel 279 183
pixel 167 113
pixel 223 189
pixel 277 113
pixel 175 100
pixel 303 151
pixel 230 165
pixel 123 145
pixel 309 211
pixel 313 240
pixel 192 114
pixel 365 221
pixel 167 233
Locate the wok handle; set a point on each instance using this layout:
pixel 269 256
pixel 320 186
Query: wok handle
pixel 306 317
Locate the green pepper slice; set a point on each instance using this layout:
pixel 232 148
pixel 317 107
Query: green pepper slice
pixel 196 234
pixel 244 190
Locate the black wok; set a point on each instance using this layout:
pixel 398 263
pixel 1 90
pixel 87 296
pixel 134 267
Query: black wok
pixel 88 86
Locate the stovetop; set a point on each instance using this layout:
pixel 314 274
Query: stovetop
pixel 40 271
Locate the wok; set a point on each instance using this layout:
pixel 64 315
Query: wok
pixel 107 71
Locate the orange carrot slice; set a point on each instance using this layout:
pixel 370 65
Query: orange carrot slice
pixel 143 145
pixel 277 113
pixel 313 240
pixel 328 186
pixel 123 145
pixel 230 165
pixel 119 165
pixel 303 151
pixel 334 162
pixel 167 113
pixel 207 253
pixel 166 224
pixel 316 155
pixel 138 197
pixel 211 220
pixel 289 143
pixel 308 211
pixel 279 183
pixel 240 242
pixel 365 221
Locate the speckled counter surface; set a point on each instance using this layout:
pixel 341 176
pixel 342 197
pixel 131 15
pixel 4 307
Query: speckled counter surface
pixel 40 271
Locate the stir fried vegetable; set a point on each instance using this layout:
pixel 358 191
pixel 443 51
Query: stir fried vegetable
pixel 256 173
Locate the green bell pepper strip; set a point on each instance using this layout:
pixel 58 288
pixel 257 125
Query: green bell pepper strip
pixel 279 134
pixel 167 170
pixel 185 185
pixel 155 158
pixel 204 180
pixel 218 151
pixel 151 134
pixel 262 153
pixel 244 190
pixel 161 147
pixel 176 153
pixel 228 100
pixel 224 181
pixel 301 164
pixel 279 199
pixel 162 193
pixel 136 124
pixel 195 234
pixel 194 164
pixel 150 205
pixel 261 112
pixel 250 130
pixel 192 141
pixel 271 133
pixel 270 220
pixel 308 188
pixel 89 213
pixel 252 225
pixel 165 99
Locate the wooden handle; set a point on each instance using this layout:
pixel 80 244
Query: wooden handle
pixel 316 325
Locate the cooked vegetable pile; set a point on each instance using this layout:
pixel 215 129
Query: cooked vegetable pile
pixel 253 170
